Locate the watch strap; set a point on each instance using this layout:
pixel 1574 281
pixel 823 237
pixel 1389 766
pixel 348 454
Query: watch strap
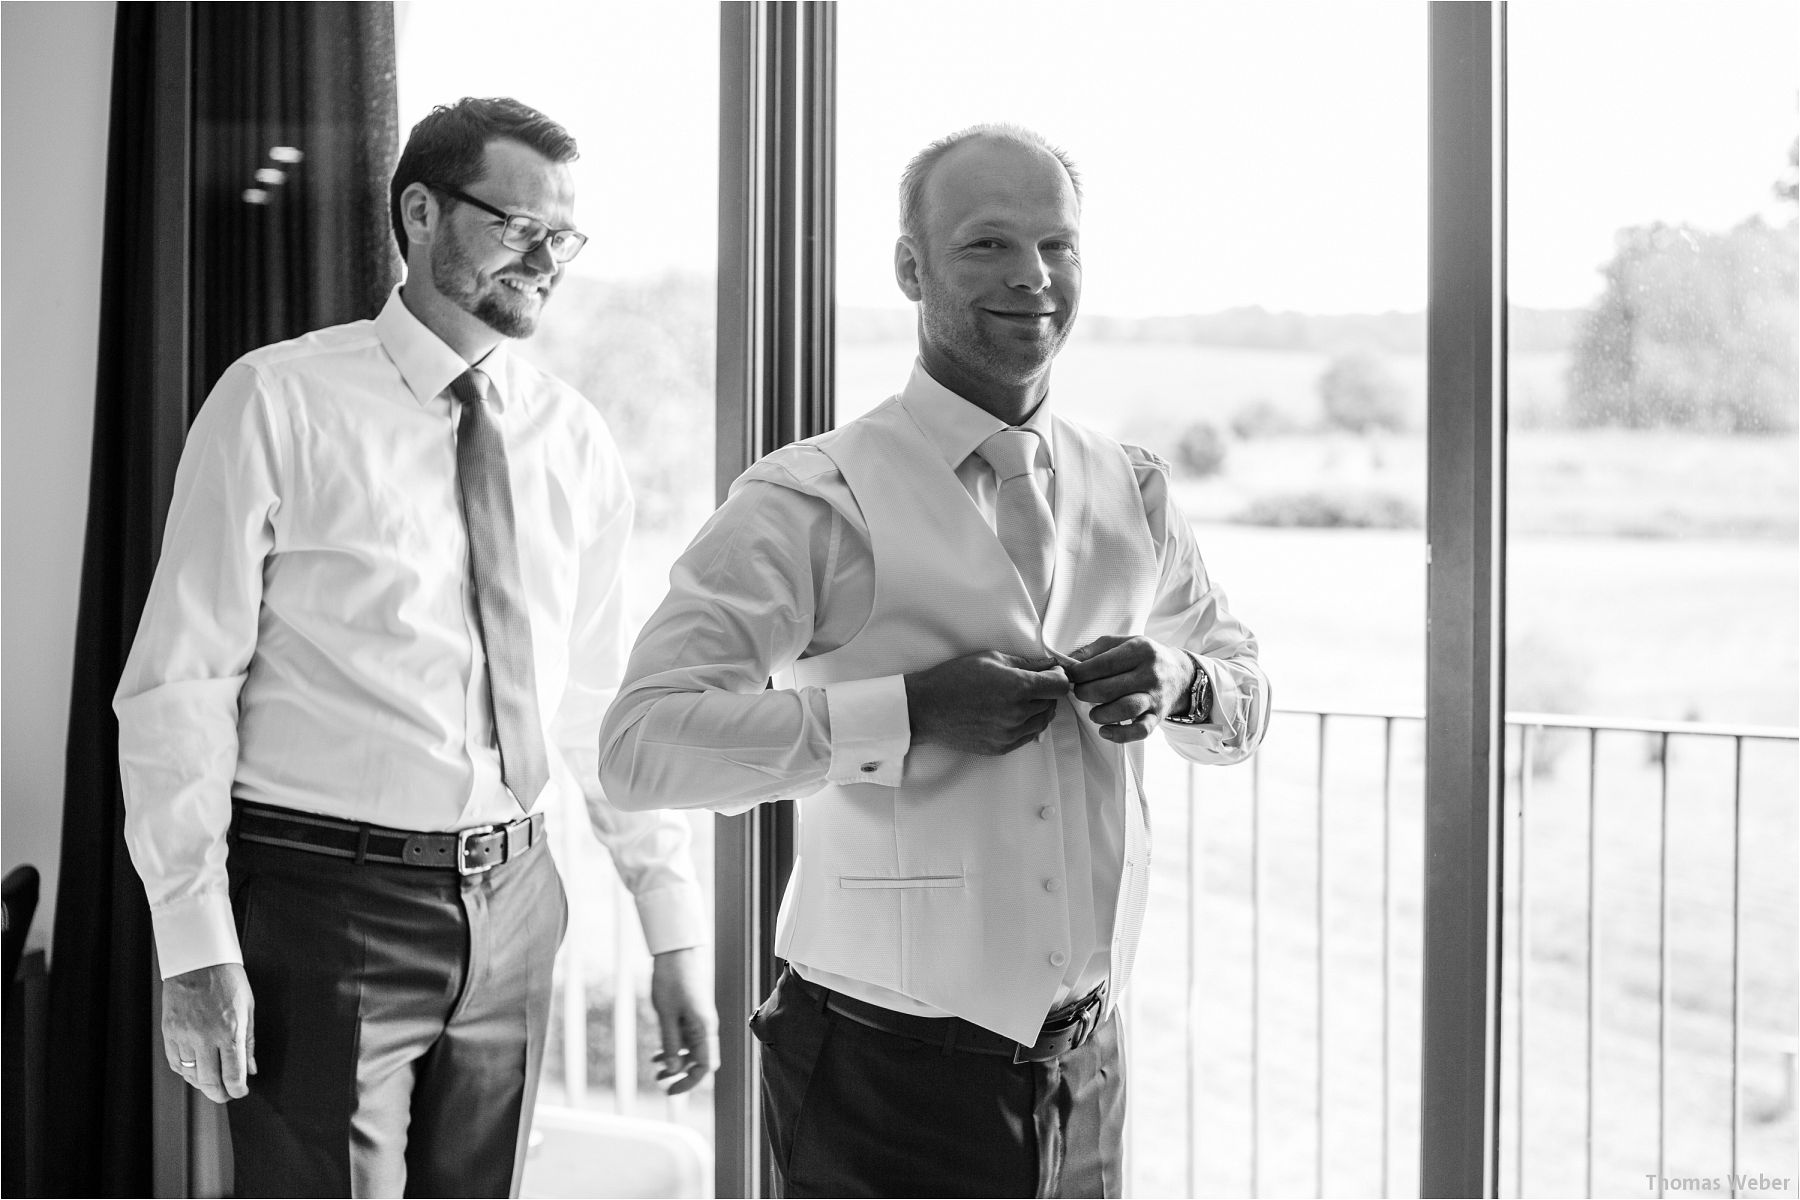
pixel 1199 706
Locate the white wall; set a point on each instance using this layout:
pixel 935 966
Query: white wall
pixel 55 86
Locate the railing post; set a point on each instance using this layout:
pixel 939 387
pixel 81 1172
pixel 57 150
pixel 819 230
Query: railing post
pixel 1465 368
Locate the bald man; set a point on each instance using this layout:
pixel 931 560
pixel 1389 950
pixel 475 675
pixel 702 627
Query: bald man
pixel 974 611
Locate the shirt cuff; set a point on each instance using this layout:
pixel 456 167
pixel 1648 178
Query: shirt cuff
pixel 674 918
pixel 870 731
pixel 193 933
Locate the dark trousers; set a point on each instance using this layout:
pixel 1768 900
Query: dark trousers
pixel 400 1022
pixel 855 1111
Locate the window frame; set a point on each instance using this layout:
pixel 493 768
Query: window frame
pixel 776 230
pixel 776 341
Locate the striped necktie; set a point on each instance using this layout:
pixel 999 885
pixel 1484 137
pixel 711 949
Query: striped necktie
pixel 481 473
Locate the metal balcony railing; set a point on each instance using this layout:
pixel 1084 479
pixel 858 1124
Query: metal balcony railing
pixel 1291 785
pixel 1256 1064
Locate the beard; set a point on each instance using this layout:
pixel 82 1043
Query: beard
pixel 949 323
pixel 507 312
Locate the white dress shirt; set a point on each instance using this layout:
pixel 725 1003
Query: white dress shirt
pixel 784 571
pixel 311 641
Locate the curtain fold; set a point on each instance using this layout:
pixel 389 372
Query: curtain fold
pixel 314 249
pixel 295 123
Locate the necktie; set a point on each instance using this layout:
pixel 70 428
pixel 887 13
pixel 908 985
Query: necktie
pixel 499 593
pixel 1022 515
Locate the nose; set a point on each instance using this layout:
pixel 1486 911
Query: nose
pixel 1028 272
pixel 541 260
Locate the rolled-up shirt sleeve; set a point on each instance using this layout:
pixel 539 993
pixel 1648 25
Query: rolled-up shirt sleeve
pixel 177 700
pixel 697 724
pixel 1191 612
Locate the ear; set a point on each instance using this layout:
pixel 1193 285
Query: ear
pixel 419 213
pixel 906 267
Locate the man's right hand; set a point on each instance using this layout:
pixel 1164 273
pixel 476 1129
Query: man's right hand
pixel 209 1030
pixel 984 703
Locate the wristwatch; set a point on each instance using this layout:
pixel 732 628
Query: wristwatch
pixel 1199 706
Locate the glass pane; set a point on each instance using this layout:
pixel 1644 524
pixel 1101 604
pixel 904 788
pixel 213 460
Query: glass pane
pixel 1253 249
pixel 631 328
pixel 1649 1033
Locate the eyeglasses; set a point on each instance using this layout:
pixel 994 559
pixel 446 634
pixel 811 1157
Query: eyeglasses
pixel 522 233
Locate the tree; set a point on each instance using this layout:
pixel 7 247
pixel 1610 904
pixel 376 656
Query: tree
pixel 1361 394
pixel 1693 330
pixel 1201 450
pixel 642 352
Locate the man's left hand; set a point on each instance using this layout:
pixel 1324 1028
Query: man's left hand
pixel 1132 682
pixel 681 993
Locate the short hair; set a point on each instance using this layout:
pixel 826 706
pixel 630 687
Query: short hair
pixel 449 146
pixel 912 180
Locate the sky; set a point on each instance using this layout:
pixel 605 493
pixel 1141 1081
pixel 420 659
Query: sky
pixel 1234 153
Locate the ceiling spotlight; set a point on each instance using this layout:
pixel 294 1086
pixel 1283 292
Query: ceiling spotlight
pixel 271 176
pixel 255 196
pixel 285 154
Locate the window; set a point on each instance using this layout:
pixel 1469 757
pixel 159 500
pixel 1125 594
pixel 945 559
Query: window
pixel 1253 311
pixel 1650 971
pixel 632 328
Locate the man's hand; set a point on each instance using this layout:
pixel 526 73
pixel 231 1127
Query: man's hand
pixel 984 703
pixel 1132 682
pixel 209 1030
pixel 681 993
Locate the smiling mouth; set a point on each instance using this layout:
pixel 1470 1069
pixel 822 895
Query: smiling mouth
pixel 1021 316
pixel 523 288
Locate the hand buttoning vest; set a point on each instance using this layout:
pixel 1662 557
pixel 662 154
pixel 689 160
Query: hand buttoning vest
pixel 936 888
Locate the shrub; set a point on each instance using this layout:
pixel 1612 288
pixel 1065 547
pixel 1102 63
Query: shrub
pixel 1201 450
pixel 1361 394
pixel 1333 510
pixel 1262 417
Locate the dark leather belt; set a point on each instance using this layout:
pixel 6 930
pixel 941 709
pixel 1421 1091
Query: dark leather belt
pixel 1066 1029
pixel 465 851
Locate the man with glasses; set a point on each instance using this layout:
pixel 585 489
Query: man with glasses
pixel 386 622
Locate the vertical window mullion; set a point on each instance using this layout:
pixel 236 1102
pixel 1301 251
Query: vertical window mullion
pixel 1465 527
pixel 776 228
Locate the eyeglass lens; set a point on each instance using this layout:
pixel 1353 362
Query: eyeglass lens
pixel 525 234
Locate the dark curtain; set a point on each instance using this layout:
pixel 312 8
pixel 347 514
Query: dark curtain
pixel 246 79
pixel 309 244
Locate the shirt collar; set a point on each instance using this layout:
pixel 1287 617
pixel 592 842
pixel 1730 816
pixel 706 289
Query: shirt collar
pixel 957 426
pixel 426 362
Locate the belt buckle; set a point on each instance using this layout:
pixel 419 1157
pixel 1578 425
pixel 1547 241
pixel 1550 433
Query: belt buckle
pixel 1077 1027
pixel 462 850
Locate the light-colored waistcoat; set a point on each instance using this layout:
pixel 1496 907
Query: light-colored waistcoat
pixel 936 889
